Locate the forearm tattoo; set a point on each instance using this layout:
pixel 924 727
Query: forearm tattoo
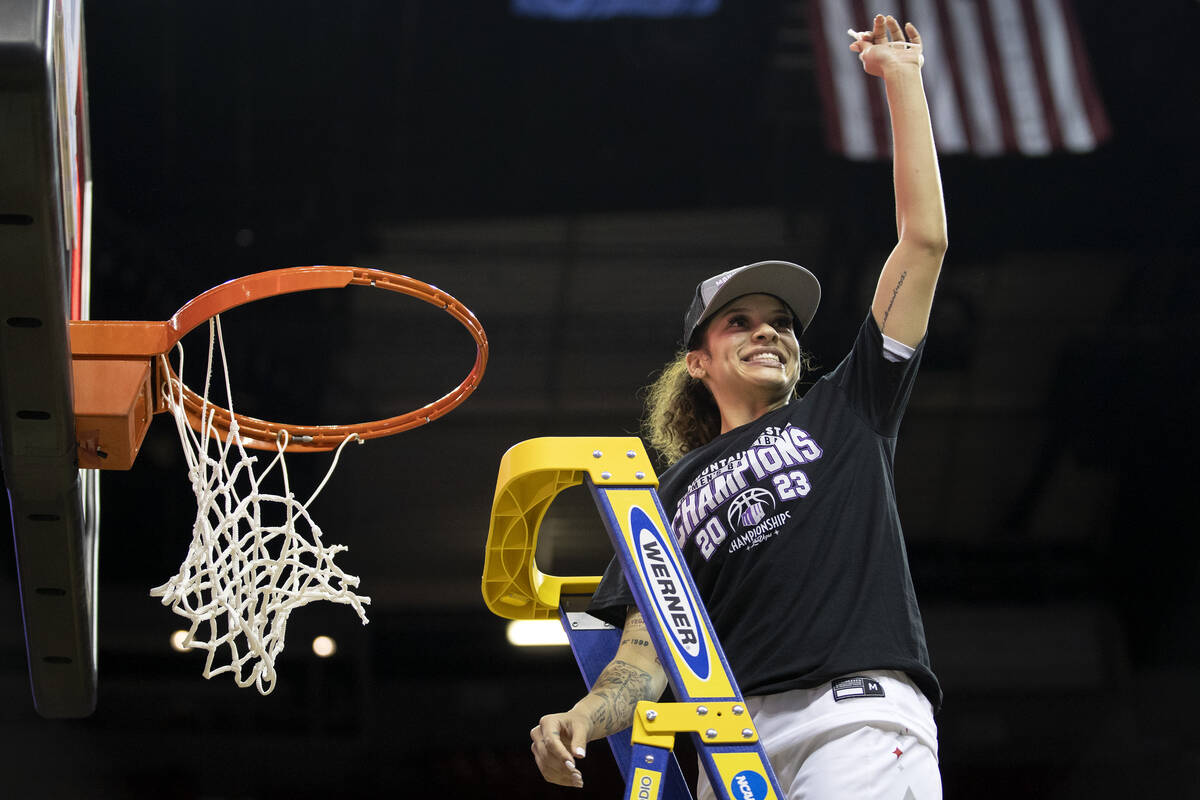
pixel 892 302
pixel 620 687
pixel 635 633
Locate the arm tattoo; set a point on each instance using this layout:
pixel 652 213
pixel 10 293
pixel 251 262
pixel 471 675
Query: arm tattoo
pixel 892 302
pixel 635 633
pixel 620 687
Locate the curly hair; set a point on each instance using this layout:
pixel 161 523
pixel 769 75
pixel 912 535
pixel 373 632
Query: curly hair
pixel 681 414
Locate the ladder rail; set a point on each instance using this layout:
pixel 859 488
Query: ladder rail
pixel 691 655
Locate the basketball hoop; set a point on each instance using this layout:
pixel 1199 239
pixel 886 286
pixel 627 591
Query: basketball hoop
pixel 255 555
pixel 95 342
pixel 263 435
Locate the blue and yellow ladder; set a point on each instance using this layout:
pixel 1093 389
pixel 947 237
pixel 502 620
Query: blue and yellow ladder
pixel 617 471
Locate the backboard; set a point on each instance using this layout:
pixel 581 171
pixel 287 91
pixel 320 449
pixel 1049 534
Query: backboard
pixel 45 199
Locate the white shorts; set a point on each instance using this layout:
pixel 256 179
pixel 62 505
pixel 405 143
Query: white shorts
pixel 869 738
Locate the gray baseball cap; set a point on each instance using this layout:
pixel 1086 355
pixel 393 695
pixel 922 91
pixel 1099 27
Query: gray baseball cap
pixel 791 283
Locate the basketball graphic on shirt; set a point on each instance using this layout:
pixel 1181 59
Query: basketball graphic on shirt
pixel 750 507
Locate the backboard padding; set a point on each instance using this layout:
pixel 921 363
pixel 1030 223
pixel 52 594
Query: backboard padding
pixel 44 212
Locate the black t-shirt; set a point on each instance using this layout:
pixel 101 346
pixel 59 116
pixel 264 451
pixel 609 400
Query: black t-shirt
pixel 790 529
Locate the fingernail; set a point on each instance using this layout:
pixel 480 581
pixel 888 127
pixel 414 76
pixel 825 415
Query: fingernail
pixel 579 752
pixel 570 764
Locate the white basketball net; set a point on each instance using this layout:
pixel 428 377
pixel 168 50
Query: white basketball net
pixel 254 556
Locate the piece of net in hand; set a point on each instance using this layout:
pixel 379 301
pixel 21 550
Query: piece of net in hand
pixel 255 555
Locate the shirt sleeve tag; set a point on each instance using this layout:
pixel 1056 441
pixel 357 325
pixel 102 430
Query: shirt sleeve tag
pixel 856 686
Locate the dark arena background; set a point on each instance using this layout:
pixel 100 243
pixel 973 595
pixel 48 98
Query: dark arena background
pixel 570 182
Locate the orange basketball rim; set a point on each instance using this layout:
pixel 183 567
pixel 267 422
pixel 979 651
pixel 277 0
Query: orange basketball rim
pixel 118 374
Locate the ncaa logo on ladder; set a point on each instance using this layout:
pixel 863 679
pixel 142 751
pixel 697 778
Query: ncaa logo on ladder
pixel 748 785
pixel 669 593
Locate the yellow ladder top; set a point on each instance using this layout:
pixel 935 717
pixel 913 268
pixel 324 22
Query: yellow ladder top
pixel 532 474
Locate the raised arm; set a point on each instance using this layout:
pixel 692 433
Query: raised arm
pixel 906 285
pixel 633 675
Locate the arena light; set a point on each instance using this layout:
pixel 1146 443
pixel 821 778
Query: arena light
pixel 324 646
pixel 536 632
pixel 177 642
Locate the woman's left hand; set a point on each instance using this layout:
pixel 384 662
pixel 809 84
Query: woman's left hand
pixel 885 45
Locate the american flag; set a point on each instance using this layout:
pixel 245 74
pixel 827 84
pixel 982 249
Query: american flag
pixel 1001 76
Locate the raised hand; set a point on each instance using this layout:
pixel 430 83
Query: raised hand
pixel 885 45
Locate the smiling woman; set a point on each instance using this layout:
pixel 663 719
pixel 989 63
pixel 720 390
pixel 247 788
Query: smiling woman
pixel 681 410
pixel 749 358
pixel 785 507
